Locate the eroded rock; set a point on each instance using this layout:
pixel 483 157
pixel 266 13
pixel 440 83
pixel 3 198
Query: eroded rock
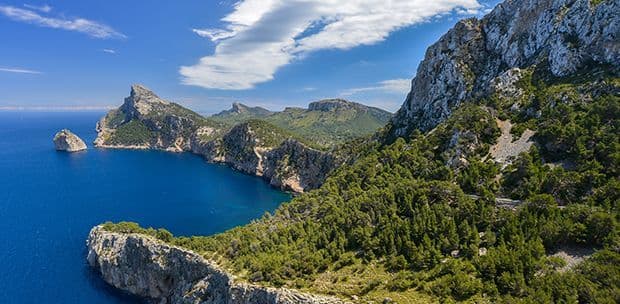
pixel 66 140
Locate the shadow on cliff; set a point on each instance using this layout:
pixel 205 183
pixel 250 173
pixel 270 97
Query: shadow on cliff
pixel 112 294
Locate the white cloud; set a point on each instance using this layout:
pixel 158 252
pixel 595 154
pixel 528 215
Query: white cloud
pixel 261 36
pixel 19 70
pixel 42 8
pixel 392 86
pixel 109 51
pixel 88 27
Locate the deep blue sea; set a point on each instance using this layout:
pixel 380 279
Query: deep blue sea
pixel 49 200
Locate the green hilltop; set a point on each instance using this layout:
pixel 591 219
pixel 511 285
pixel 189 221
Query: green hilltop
pixel 326 123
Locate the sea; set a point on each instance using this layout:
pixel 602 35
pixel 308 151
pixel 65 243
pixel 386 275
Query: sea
pixel 49 201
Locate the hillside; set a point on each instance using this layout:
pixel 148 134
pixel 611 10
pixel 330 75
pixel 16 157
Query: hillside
pixel 504 156
pixel 240 113
pixel 327 122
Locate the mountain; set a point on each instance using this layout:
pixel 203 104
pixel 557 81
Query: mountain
pixel 560 37
pixel 256 147
pixel 326 122
pixel 240 112
pixel 496 182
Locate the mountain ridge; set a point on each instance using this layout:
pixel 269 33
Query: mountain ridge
pixel 327 122
pixel 561 35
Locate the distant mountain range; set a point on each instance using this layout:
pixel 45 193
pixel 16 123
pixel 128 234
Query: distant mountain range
pixel 325 122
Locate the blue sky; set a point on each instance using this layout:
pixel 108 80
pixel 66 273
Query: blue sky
pixel 206 54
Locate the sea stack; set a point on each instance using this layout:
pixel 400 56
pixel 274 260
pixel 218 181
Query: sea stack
pixel 66 140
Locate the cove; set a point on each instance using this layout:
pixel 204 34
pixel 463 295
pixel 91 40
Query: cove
pixel 49 200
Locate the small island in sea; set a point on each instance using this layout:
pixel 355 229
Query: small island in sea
pixel 65 140
pixel 493 179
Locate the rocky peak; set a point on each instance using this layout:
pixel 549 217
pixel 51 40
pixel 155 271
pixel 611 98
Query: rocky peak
pixel 561 36
pixel 241 109
pixel 330 104
pixel 142 101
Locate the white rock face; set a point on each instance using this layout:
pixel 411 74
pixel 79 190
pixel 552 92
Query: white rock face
pixel 65 140
pixel 147 267
pixel 561 36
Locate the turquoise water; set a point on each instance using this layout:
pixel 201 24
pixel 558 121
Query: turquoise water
pixel 49 200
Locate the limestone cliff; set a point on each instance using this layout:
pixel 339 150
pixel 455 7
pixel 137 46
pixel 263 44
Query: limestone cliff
pixel 65 140
pixel 559 36
pixel 258 149
pixel 150 268
pixel 145 121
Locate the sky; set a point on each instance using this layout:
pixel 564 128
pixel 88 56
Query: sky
pixel 85 55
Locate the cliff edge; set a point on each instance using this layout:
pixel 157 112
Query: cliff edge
pixel 150 268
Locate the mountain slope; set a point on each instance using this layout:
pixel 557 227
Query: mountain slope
pixel 327 122
pixel 559 36
pixel 419 217
pixel 239 113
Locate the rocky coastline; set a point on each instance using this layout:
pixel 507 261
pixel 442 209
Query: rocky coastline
pixel 288 164
pixel 147 267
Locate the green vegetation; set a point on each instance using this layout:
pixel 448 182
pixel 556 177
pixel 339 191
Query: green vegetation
pixel 398 222
pixel 325 128
pixel 134 132
pixel 240 113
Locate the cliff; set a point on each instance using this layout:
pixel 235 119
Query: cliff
pixel 145 121
pixel 559 37
pixel 65 140
pixel 150 268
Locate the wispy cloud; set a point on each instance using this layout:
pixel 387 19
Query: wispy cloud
pixel 109 51
pixel 19 70
pixel 261 36
pixel 85 26
pixel 392 86
pixel 42 8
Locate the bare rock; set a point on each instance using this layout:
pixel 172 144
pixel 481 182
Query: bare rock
pixel 560 36
pixel 66 140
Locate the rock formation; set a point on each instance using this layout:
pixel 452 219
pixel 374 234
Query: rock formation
pixel 65 140
pixel 150 268
pixel 560 36
pixel 145 121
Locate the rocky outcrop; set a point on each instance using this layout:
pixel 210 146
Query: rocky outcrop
pixel 150 268
pixel 288 165
pixel 65 140
pixel 145 121
pixel 295 167
pixel 559 36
